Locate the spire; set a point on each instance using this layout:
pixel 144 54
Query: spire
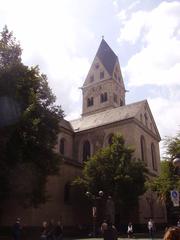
pixel 107 56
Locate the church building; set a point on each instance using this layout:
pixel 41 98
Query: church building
pixel 104 113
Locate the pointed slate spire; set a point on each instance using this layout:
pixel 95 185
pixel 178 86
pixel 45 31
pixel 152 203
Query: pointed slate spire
pixel 107 56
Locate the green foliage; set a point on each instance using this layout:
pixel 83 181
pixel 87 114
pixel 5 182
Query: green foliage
pixel 172 145
pixel 10 51
pixel 166 182
pixel 28 127
pixel 114 170
pixel 168 179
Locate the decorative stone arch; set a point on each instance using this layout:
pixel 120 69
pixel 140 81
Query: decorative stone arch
pixel 153 157
pixel 62 145
pixel 85 149
pixel 143 149
pixel 108 139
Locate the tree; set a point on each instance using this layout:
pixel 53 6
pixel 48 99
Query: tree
pixel 114 170
pixel 28 127
pixel 172 145
pixel 168 179
pixel 10 50
pixel 165 182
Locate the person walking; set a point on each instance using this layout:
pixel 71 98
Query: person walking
pixel 44 231
pixel 111 232
pixel 104 226
pixel 130 230
pixel 50 230
pixel 58 231
pixel 16 230
pixel 178 223
pixel 151 228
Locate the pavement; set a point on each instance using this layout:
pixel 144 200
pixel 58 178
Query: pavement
pixel 119 238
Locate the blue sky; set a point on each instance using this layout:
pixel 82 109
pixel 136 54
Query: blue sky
pixel 62 37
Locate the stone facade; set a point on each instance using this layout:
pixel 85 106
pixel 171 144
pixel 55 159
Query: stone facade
pixel 104 113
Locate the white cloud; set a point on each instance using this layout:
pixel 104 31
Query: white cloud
pixel 49 35
pixel 132 27
pixel 166 114
pixel 156 63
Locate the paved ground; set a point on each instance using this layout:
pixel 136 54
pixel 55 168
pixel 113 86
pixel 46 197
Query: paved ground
pixel 119 238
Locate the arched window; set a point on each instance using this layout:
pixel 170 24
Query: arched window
pixel 141 117
pixel 90 102
pixel 86 150
pixel 121 102
pixel 143 149
pixel 62 146
pixel 110 139
pixel 153 155
pixel 146 119
pixel 103 97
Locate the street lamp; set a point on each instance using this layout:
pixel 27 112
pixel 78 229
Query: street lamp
pixel 94 198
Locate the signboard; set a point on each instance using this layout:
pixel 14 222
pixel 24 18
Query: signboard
pixel 175 198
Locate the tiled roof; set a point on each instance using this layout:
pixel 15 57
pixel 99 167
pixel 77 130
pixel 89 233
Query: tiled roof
pixel 107 56
pixel 107 117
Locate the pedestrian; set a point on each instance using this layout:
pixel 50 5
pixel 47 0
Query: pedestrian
pixel 50 230
pixel 111 232
pixel 130 230
pixel 16 229
pixel 104 227
pixel 58 231
pixel 172 233
pixel 178 223
pixel 44 231
pixel 151 228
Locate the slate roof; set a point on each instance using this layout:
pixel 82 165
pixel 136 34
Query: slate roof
pixel 107 117
pixel 107 56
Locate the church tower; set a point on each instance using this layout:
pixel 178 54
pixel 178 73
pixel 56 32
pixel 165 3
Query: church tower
pixel 103 87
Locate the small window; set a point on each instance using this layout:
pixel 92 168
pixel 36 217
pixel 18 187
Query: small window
pixel 143 149
pixel 115 75
pixel 62 146
pixel 97 65
pixel 121 102
pixel 153 155
pixel 103 97
pixel 115 97
pixel 102 75
pixel 90 102
pixel 141 118
pixel 91 78
pixel 86 150
pixel 146 119
pixel 110 139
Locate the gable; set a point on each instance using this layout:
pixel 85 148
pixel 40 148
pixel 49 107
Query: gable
pixel 94 74
pixel 146 119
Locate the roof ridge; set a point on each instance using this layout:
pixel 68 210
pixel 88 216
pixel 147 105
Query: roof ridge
pixel 108 110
